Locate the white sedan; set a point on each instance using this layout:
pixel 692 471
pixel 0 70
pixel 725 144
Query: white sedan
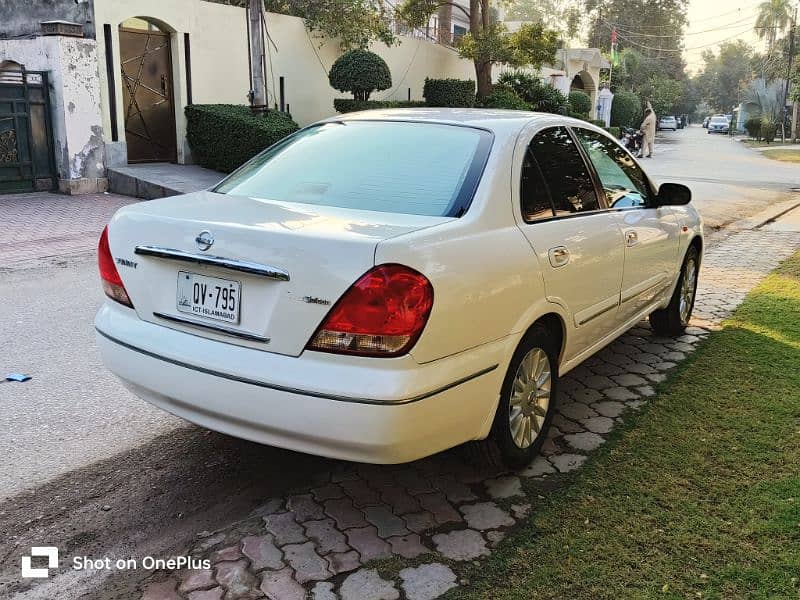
pixel 384 285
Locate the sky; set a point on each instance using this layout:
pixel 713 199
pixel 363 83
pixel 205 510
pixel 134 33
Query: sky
pixel 713 21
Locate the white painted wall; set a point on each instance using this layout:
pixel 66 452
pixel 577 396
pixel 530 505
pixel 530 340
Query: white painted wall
pixel 220 73
pixel 304 61
pixel 75 105
pixel 218 41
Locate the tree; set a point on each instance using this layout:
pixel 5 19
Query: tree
pixel 489 42
pixel 772 20
pixel 654 28
pixel 355 23
pixel 664 94
pixel 724 74
pixel 360 72
pixel 565 16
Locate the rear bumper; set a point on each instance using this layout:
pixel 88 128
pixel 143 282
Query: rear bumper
pixel 369 410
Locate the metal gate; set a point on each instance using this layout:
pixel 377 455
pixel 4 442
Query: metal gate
pixel 147 95
pixel 26 137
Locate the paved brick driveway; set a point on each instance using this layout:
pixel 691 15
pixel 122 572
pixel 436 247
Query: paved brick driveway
pixel 42 225
pixel 432 514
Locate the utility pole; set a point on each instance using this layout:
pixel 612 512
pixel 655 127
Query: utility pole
pixel 258 91
pixel 788 80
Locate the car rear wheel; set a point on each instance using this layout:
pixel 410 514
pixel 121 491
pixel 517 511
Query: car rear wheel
pixel 527 401
pixel 674 319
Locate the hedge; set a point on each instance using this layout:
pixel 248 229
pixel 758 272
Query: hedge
pixel 449 92
pixel 346 105
pixel 626 109
pixel 225 136
pixel 502 97
pixel 580 102
pixel 540 96
pixel 753 127
pixel 615 131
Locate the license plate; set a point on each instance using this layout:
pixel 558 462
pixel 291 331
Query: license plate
pixel 210 297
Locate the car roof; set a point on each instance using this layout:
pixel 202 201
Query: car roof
pixel 498 121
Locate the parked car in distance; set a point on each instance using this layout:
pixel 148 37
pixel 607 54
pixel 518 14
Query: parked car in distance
pixel 668 122
pixel 383 285
pixel 719 124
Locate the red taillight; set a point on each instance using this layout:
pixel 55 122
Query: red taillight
pixel 382 314
pixel 109 276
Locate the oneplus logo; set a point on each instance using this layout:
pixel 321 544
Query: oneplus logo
pixel 51 552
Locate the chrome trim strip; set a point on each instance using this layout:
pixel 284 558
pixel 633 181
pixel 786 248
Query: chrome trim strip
pixel 242 266
pixel 218 328
pixel 292 390
pixel 602 312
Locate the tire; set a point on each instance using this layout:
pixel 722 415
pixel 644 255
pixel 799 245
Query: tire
pixel 673 320
pixel 500 448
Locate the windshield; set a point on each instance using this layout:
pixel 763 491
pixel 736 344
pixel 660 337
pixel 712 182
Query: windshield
pixel 722 120
pixel 388 166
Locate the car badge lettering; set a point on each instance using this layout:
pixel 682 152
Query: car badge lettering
pixel 204 240
pixel 124 262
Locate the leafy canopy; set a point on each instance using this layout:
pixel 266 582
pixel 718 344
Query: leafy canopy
pixel 355 23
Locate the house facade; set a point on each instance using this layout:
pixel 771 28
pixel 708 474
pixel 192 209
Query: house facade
pixel 87 85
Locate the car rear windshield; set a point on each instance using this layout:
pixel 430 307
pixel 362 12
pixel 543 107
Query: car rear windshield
pixel 388 166
pixel 717 120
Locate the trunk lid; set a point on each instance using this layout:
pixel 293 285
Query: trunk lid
pixel 324 250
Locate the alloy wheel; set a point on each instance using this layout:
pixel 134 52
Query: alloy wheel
pixel 530 398
pixel 688 287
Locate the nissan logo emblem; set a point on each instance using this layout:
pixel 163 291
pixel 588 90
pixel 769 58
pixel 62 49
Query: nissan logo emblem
pixel 204 240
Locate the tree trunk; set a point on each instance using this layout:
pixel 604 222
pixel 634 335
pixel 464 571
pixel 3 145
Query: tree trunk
pixel 445 36
pixel 258 92
pixel 483 73
pixel 479 23
pixel 795 115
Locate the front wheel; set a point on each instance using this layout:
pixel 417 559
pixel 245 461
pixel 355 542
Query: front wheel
pixel 527 401
pixel 673 320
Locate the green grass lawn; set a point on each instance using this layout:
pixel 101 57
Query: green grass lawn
pixel 696 497
pixel 784 154
pixel 762 144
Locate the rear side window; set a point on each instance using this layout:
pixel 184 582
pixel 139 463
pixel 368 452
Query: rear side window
pixel 535 196
pixel 565 174
pixel 387 166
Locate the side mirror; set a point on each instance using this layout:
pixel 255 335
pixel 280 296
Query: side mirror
pixel 673 194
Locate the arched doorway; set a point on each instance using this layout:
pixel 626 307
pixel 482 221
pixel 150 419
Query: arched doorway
pixel 147 91
pixel 583 82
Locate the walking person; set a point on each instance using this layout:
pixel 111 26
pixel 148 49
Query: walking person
pixel 648 130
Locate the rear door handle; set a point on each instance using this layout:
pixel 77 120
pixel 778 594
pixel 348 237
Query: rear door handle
pixel 631 238
pixel 559 256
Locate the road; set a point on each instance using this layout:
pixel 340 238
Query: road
pixel 88 467
pixel 729 181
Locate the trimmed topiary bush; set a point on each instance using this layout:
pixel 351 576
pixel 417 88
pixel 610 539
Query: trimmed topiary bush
pixel 502 97
pixel 346 105
pixel 615 131
pixel 449 92
pixel 753 127
pixel 626 109
pixel 360 72
pixel 225 136
pixel 580 102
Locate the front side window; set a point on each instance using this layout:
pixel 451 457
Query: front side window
pixel 565 174
pixel 388 166
pixel 623 180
